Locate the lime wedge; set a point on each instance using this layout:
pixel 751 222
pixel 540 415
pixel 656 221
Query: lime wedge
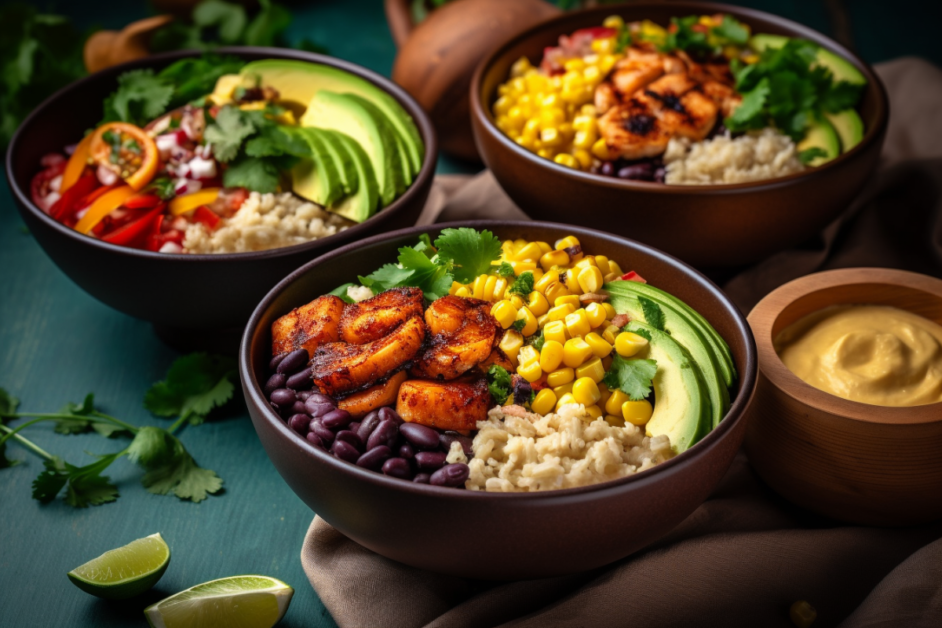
pixel 126 571
pixel 234 602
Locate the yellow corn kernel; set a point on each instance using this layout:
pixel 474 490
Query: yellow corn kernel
pixel 567 160
pixel 551 355
pixel 463 292
pixel 615 421
pixel 583 139
pixel 571 299
pixel 549 277
pixel 628 344
pixel 555 331
pixel 585 262
pixel 489 288
pixel 608 60
pixel 503 104
pixel 516 301
pixel 559 377
pixel 599 149
pixel 528 354
pixel 575 352
pixel 546 153
pixel 602 262
pixel 551 101
pixel 637 412
pixel 560 312
pixel 615 401
pixel 594 411
pixel 523 266
pixel 551 137
pixel 606 393
pixel 525 142
pixel 592 74
pixel 559 391
pixel 615 268
pixel 516 118
pixel 519 67
pixel 596 314
pixel 511 343
pixel 554 258
pixel 584 123
pixel 537 304
pixel 531 130
pixel 554 291
pixel 454 287
pixel 612 21
pixel 530 371
pixel 576 64
pixel 542 320
pixel 544 246
pixel 609 311
pixel 588 110
pixel 477 288
pixel 611 332
pixel 577 323
pixel 751 59
pixel 529 253
pixel 583 157
pixel 571 281
pixel 544 402
pixel 497 291
pixel 530 325
pixel 536 83
pixel 586 391
pixel 607 362
pixel 611 277
pixel 590 279
pixel 505 313
pixel 567 242
pixel 565 400
pixel 592 369
pixel 600 347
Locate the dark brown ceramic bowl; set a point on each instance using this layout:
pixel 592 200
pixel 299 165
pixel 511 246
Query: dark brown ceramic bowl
pixel 488 535
pixel 709 226
pixel 184 292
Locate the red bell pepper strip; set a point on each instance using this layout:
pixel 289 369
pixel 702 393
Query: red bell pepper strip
pixel 88 199
pixel 207 217
pixel 142 201
pixel 633 276
pixel 70 198
pixel 133 232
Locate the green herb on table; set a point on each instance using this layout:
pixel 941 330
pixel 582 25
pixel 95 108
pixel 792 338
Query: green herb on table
pixel 632 377
pixel 499 383
pixel 195 385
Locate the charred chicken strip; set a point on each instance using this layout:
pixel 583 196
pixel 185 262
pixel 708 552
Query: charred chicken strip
pixel 359 404
pixel 339 367
pixel 444 405
pixel 376 317
pixel 450 354
pixel 308 326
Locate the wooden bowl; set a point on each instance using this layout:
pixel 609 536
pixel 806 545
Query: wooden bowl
pixel 709 226
pixel 852 461
pixel 498 536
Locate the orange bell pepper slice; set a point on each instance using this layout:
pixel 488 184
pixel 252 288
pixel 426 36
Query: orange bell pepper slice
pixel 188 202
pixel 76 165
pixel 102 206
pixel 135 152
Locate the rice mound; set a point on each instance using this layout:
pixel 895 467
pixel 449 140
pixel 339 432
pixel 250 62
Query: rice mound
pixel 519 451
pixel 755 156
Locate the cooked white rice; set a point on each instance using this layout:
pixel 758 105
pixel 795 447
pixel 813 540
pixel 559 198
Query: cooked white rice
pixel 759 155
pixel 560 450
pixel 265 221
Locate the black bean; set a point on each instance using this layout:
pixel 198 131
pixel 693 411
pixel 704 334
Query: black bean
pixel 317 397
pixel 318 428
pixel 397 468
pixel 421 478
pixel 406 451
pixel 451 475
pixel 420 436
pixel 300 380
pixel 350 437
pixel 336 418
pixel 293 361
pixel 375 458
pixel 298 407
pixel 318 409
pixel 355 428
pixel 429 460
pixel 304 394
pixel 637 172
pixel 274 382
pixel 369 423
pixel 607 169
pixel 344 451
pixel 283 397
pixel 660 174
pixel 275 361
pixel 388 414
pixel 299 423
pixel 384 434
pixel 450 437
pixel 314 439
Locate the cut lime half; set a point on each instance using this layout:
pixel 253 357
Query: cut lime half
pixel 126 571
pixel 234 602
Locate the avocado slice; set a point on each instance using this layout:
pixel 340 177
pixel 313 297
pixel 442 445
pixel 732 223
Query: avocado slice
pixel 821 135
pixel 364 202
pixel 298 81
pixel 357 118
pixel 849 127
pixel 681 405
pixel 345 165
pixel 316 179
pixel 684 332
pixel 841 68
pixel 715 342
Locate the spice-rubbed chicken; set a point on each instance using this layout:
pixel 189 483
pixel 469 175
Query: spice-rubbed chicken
pixel 376 317
pixel 469 333
pixel 308 326
pixel 457 405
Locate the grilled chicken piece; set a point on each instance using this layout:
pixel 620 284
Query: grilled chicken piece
pixel 444 405
pixel 455 350
pixel 724 96
pixel 632 130
pixel 359 404
pixel 605 97
pixel 681 107
pixel 308 326
pixel 338 367
pixel 636 70
pixel 376 317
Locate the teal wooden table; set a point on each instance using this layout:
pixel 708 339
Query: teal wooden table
pixel 57 344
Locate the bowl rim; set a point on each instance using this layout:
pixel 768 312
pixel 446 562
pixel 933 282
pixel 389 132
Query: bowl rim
pixel 762 319
pixel 420 118
pixel 748 371
pixel 482 116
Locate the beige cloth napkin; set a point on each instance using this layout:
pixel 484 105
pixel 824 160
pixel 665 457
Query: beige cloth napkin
pixel 745 555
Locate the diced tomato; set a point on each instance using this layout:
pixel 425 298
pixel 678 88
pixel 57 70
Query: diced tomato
pixel 142 201
pixel 67 204
pixel 158 239
pixel 633 276
pixel 134 233
pixel 235 197
pixel 596 32
pixel 88 199
pixel 206 217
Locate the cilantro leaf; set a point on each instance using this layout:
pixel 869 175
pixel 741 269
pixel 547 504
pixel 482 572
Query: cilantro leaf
pixel 254 173
pixel 538 340
pixel 416 269
pixel 48 483
pixel 228 19
pixel 227 132
pixel 499 383
pixel 523 285
pixel 519 324
pixel 195 77
pixel 653 315
pixel 85 486
pixel 683 36
pixel 341 291
pixel 632 377
pixel 176 471
pixel 195 384
pixel 386 277
pixel 749 113
pixel 78 425
pixel 8 404
pixel 841 95
pixel 268 26
pixel 274 141
pixel 141 96
pixel 504 270
pixel 470 251
pixel 644 333
pixel 810 154
pixel 150 447
pixel 731 31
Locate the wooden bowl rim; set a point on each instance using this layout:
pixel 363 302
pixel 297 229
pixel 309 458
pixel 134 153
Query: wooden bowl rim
pixel 480 102
pixel 762 319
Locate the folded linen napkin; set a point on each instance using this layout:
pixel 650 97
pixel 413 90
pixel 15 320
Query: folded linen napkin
pixel 745 555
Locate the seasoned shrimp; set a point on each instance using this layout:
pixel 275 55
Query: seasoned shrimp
pixel 308 326
pixel 376 317
pixel 467 335
pixel 455 405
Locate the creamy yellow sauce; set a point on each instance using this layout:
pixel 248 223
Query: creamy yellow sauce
pixel 868 353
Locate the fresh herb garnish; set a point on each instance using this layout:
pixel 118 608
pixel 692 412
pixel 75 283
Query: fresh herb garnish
pixel 523 285
pixel 195 385
pixel 653 315
pixel 499 383
pixel 504 270
pixel 810 154
pixel 341 291
pixel 519 324
pixel 632 377
pixel 164 187
pixel 538 340
pixel 697 39
pixel 470 251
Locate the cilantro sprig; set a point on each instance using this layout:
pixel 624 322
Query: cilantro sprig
pixel 499 383
pixel 195 385
pixel 632 377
